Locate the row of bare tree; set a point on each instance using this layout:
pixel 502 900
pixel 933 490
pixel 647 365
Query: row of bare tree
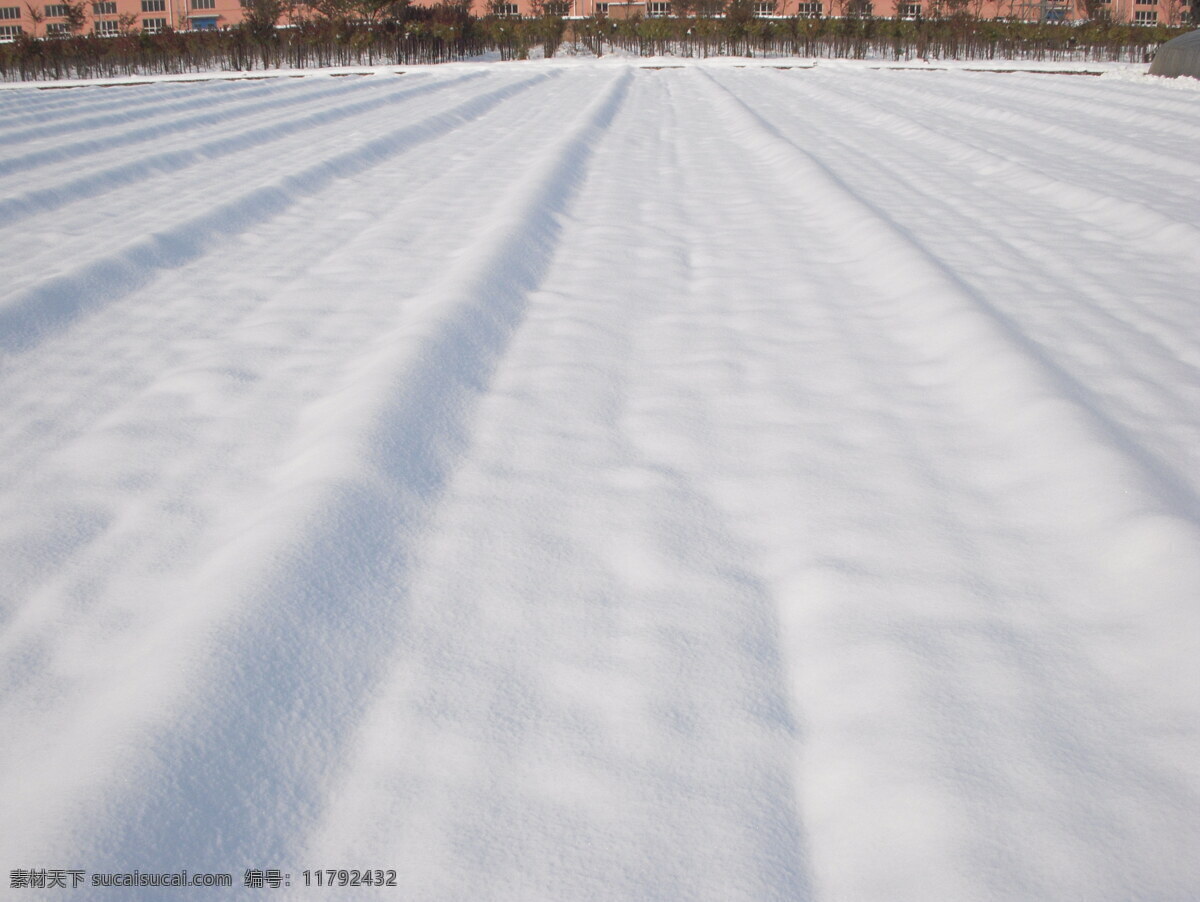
pixel 370 32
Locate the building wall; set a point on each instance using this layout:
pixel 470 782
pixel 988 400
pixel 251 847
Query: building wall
pixel 116 16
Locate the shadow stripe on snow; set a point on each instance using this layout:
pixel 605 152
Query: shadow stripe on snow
pixel 28 317
pixel 969 326
pixel 317 576
pixel 141 108
pixel 845 142
pixel 1096 100
pixel 847 151
pixel 169 127
pixel 39 105
pixel 998 108
pixel 44 200
pixel 1148 227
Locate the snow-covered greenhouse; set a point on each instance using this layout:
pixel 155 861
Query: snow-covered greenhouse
pixel 1180 56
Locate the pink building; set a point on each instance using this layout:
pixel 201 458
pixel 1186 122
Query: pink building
pixel 40 18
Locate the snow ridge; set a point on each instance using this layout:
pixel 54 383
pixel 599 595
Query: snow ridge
pixel 368 468
pixel 25 318
pixel 96 183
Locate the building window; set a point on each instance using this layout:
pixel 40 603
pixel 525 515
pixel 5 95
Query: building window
pixel 107 8
pixel 657 9
pixel 910 10
pixel 602 9
pixel 499 8
pixel 764 8
pixel 57 11
pixel 107 28
pixel 154 6
pixel 1145 17
pixel 57 30
pixel 204 4
pixel 154 26
pixel 10 12
pixel 808 9
pixel 10 32
pixel 1145 2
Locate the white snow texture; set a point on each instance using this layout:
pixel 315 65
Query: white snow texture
pixel 591 481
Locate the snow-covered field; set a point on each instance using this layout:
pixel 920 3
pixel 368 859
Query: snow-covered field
pixel 601 482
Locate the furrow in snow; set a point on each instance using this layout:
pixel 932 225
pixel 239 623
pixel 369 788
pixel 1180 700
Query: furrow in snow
pixel 1137 354
pixel 242 329
pixel 1080 106
pixel 319 565
pixel 1025 370
pixel 983 180
pixel 1133 95
pixel 1138 221
pixel 1060 143
pixel 782 420
pixel 135 107
pixel 53 243
pixel 228 357
pixel 40 104
pixel 26 318
pixel 97 150
pixel 966 546
pixel 643 750
pixel 173 162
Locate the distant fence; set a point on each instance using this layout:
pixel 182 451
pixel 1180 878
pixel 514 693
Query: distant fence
pixel 448 33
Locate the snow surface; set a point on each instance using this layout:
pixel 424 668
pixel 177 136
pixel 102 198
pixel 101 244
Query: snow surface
pixel 590 481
